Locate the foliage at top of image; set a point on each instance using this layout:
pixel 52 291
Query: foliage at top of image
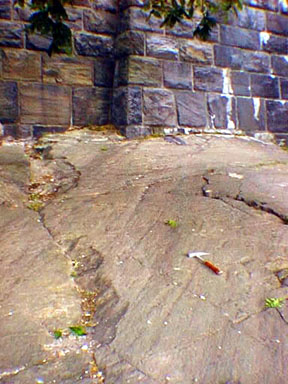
pixel 174 11
pixel 49 16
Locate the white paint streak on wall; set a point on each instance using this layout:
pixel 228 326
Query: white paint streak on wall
pixel 256 105
pixel 286 58
pixel 227 87
pixel 284 4
pixel 264 37
pixel 227 91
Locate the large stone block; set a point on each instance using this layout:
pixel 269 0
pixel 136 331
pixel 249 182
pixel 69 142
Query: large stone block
pixel 240 83
pixel 5 9
pixel 99 21
pixel 104 72
pixel 264 86
pixel 94 45
pixel 251 114
pixel 161 47
pixel 222 112
pixel 11 35
pixel 280 65
pixel 249 18
pixel 91 106
pixel 8 102
pixel 75 18
pixel 130 43
pixel 108 5
pixel 208 79
pixel 127 106
pixel 284 88
pixel 40 130
pixel 238 37
pixel 140 71
pixel 37 42
pixel 275 44
pixel 191 108
pixel 21 65
pixel 236 58
pixel 45 104
pixel 159 108
pixel 177 75
pixel 67 70
pixel 137 19
pixel 277 23
pixel 195 51
pixel 271 5
pixel 277 116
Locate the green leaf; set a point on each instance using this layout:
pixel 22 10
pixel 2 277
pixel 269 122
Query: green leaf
pixel 78 330
pixel 57 333
pixel 273 302
pixel 172 223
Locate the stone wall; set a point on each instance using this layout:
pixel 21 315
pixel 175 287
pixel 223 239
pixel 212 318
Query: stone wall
pixel 130 72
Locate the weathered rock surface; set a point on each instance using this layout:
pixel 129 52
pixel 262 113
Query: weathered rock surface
pixel 100 253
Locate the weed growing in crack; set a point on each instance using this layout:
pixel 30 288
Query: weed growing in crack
pixel 78 330
pixel 171 223
pixel 273 302
pixel 58 333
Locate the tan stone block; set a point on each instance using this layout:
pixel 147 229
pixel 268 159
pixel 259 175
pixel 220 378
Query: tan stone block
pixel 67 70
pixel 21 65
pixel 45 104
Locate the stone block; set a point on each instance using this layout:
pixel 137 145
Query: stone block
pixel 208 79
pixel 251 114
pixel 195 51
pixel 133 131
pixel 191 108
pixel 22 14
pixel 127 106
pixel 21 65
pixel 40 130
pixel 161 47
pixel 284 88
pixel 277 116
pixel 275 44
pixel 177 75
pixel 238 37
pixel 37 42
pixel 281 139
pixel 271 5
pixel 45 104
pixel 140 71
pixel 128 3
pixel 236 58
pixel 67 70
pixel 91 106
pixel 8 102
pixel 221 112
pixel 108 5
pixel 159 108
pixel 249 18
pixel 240 83
pixel 277 23
pixel 98 21
pixel 5 9
pixel 11 35
pixel 9 130
pixel 94 45
pixel 264 86
pixel 280 65
pixel 130 43
pixel 104 72
pixel 137 19
pixel 75 18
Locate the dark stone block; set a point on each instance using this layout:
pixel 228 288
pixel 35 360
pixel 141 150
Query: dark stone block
pixel 208 79
pixel 5 9
pixel 236 58
pixel 280 65
pixel 22 14
pixel 137 19
pixel 284 88
pixel 264 86
pixel 11 35
pixel 75 18
pixel 249 18
pixel 177 75
pixel 133 131
pixel 277 116
pixel 195 51
pixel 222 112
pixel 40 130
pixel 91 106
pixel 8 102
pixel 271 5
pixel 251 114
pixel 107 5
pixel 277 23
pixel 275 44
pixel 104 72
pixel 130 43
pixel 99 21
pixel 162 47
pixel 238 37
pixel 240 83
pixel 37 42
pixel 127 106
pixel 159 108
pixel 94 45
pixel 191 109
pixel 140 71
